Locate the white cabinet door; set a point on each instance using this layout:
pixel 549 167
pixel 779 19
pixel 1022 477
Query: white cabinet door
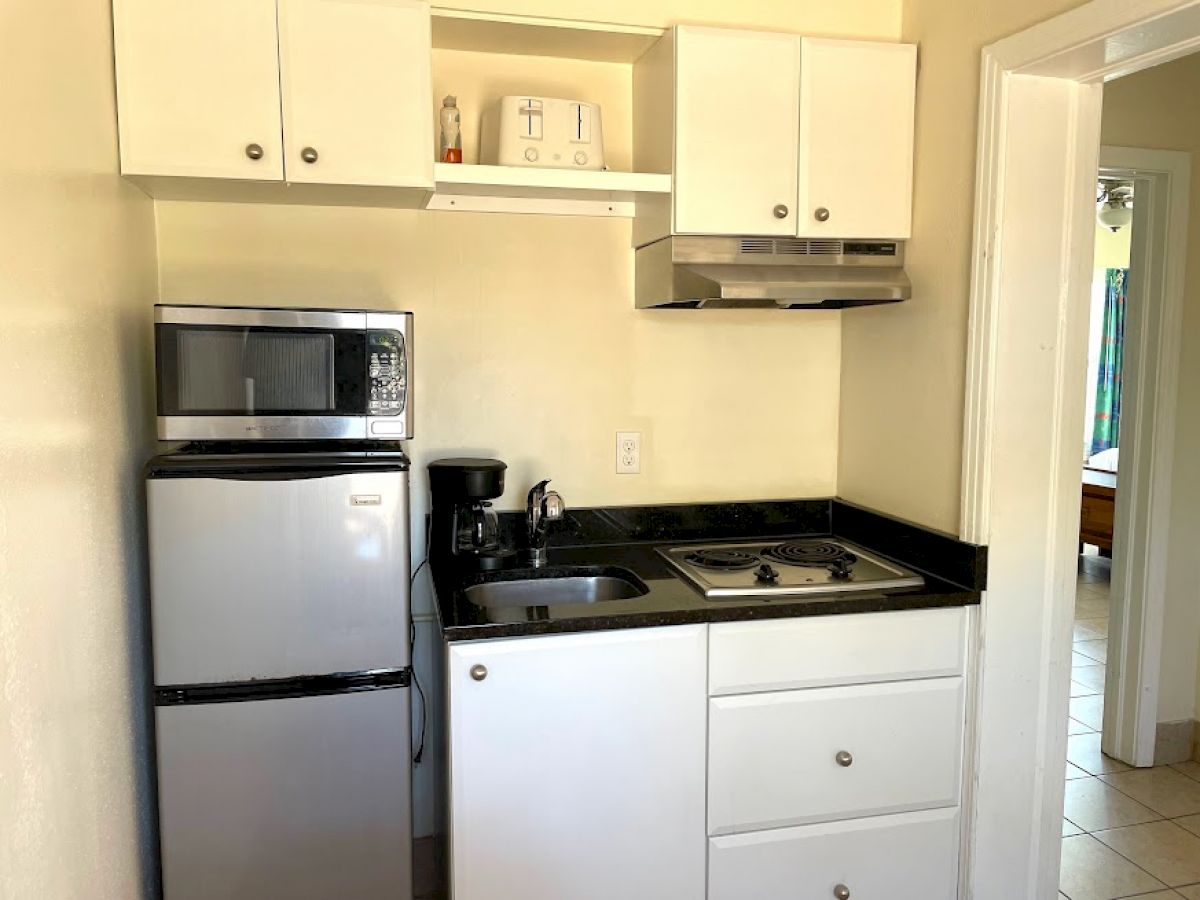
pixel 905 857
pixel 857 101
pixel 795 757
pixel 357 93
pixel 198 88
pixel 736 109
pixel 577 766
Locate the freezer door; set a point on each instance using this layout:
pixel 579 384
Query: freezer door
pixel 293 573
pixel 296 799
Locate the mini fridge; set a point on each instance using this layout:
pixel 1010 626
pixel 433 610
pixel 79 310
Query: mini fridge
pixel 279 584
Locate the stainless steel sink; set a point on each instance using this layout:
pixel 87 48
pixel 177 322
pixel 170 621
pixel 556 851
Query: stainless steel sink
pixel 556 590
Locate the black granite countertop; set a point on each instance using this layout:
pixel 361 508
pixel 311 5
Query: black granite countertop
pixel 599 541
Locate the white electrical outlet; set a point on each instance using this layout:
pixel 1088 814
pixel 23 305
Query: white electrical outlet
pixel 629 452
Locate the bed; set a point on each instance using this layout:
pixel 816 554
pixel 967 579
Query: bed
pixel 1099 500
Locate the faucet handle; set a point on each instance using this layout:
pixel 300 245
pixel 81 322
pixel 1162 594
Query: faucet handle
pixel 533 503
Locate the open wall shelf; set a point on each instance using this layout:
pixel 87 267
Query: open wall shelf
pixel 532 190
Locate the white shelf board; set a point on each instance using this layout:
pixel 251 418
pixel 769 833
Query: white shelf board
pixel 461 29
pixel 518 189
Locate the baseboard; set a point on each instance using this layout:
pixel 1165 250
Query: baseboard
pixel 1174 742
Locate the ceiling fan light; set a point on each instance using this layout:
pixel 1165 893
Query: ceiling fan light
pixel 1114 216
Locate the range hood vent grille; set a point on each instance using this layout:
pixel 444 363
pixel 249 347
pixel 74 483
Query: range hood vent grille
pixel 790 247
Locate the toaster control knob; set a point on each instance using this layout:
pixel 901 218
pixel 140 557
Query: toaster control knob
pixel 531 154
pixel 580 158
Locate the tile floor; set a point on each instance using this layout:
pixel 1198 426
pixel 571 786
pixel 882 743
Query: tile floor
pixel 1126 832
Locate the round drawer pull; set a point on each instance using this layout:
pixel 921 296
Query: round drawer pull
pixel 254 151
pixel 821 214
pixel 478 672
pixel 309 155
pixel 844 759
pixel 841 892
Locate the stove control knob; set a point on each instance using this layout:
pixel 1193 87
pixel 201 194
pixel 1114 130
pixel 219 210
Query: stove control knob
pixel 766 573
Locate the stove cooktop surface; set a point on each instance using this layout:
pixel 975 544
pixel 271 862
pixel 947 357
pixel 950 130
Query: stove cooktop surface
pixel 785 568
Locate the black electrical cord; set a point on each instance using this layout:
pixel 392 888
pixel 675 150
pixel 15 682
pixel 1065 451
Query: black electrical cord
pixel 412 646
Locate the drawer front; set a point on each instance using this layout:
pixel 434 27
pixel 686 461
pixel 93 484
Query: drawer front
pixel 783 654
pixel 774 758
pixel 903 857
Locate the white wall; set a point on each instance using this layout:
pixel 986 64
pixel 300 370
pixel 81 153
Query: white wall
pixel 76 283
pixel 1143 110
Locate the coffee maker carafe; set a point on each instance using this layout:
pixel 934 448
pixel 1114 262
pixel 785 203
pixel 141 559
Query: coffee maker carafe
pixel 464 528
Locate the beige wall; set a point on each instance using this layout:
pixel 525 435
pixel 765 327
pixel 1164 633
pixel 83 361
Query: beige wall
pixel 1112 247
pixel 76 284
pixel 1143 110
pixel 902 407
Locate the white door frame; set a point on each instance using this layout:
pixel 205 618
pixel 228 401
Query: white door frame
pixel 1157 263
pixel 1038 154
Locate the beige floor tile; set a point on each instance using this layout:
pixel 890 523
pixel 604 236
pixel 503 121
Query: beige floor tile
pixel 1192 892
pixel 1091 629
pixel 1091 607
pixel 1157 895
pixel 1078 659
pixel 1094 806
pixel 1162 789
pixel 1163 849
pixel 1092 871
pixel 1191 768
pixel 1074 772
pixel 1191 823
pixel 1083 690
pixel 1092 676
pixel 1089 710
pixel 1074 728
pixel 1094 650
pixel 1070 828
pixel 1083 750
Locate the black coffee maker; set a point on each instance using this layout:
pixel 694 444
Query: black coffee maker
pixel 464 529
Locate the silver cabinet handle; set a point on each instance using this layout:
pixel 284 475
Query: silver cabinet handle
pixel 254 151
pixel 841 892
pixel 844 759
pixel 478 672
pixel 780 211
pixel 309 155
pixel 821 214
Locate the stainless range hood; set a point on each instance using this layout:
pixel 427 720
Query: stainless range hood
pixel 700 272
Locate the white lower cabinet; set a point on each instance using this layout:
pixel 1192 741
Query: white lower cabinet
pixel 792 757
pixel 577 766
pixel 913 856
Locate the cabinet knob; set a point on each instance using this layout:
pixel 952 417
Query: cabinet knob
pixel 821 214
pixel 841 892
pixel 844 759
pixel 780 211
pixel 478 672
pixel 254 151
pixel 309 155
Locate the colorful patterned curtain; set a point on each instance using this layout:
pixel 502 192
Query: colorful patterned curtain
pixel 1107 430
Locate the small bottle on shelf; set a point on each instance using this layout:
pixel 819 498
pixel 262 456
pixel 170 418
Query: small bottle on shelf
pixel 450 150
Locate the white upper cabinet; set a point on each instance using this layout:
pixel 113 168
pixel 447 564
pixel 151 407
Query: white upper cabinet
pixel 775 134
pixel 737 107
pixel 857 102
pixel 198 88
pixel 357 92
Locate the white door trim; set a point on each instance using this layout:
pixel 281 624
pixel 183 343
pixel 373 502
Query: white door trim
pixel 1039 127
pixel 1158 259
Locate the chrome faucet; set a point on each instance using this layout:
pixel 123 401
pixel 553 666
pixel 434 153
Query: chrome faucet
pixel 541 508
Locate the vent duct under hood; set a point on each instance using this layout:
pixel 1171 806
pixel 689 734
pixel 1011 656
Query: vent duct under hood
pixel 695 272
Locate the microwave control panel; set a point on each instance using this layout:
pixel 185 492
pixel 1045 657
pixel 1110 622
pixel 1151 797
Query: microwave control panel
pixel 388 371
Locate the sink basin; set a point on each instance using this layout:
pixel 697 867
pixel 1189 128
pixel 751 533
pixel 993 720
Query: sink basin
pixel 557 590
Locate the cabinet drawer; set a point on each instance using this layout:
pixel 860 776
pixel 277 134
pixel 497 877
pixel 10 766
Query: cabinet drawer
pixel 826 650
pixel 904 857
pixel 774 758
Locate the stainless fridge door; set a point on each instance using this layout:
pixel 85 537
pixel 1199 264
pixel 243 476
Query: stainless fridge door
pixel 293 799
pixel 292 574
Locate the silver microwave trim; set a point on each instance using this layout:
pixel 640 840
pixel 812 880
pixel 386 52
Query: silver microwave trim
pixel 342 320
pixel 242 428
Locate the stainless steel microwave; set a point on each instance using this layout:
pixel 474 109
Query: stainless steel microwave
pixel 235 373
